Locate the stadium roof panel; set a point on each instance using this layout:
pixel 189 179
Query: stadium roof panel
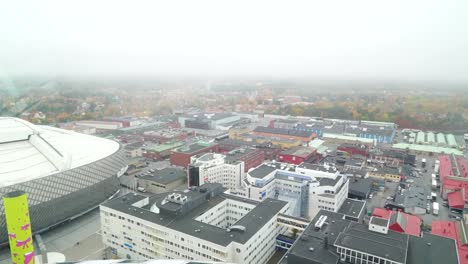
pixel 29 152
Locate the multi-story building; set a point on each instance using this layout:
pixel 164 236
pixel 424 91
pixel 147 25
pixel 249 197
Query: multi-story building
pixel 181 156
pixel 331 238
pixel 251 157
pixel 308 188
pixel 160 151
pixel 201 224
pixel 270 152
pixel 215 168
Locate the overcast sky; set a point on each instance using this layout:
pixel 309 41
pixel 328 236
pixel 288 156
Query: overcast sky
pixel 401 40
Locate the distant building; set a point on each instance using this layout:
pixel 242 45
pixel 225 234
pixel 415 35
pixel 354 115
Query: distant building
pixel 296 155
pixel 209 120
pixel 181 156
pixel 100 125
pixel 160 151
pixel 134 150
pixel 304 136
pixel 270 151
pixel 354 149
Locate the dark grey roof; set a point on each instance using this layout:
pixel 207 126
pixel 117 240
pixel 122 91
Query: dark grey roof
pixel 392 246
pixel 165 176
pixel 353 208
pixel 379 221
pixel 261 171
pixel 193 147
pixel 239 153
pixel 186 223
pixel 328 181
pixel 316 246
pixel 431 249
pixel 360 186
pixel 281 131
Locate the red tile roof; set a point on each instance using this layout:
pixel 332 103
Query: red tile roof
pixel 451 230
pixel 455 199
pixel 445 167
pixel 400 222
pixel 382 213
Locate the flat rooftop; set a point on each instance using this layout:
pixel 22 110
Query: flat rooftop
pixel 186 223
pixel 353 208
pixel 262 171
pixel 284 132
pixel 165 176
pixel 392 246
pixel 303 152
pixel 194 147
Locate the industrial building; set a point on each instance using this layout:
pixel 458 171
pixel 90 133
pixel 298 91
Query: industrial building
pixel 64 173
pixel 201 224
pixel 222 121
pixel 331 238
pixel 381 132
pixel 304 136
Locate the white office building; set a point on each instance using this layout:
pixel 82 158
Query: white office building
pixel 308 188
pixel 201 224
pixel 215 168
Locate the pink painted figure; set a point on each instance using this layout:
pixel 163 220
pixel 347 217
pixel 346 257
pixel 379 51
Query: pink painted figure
pixel 25 227
pixel 24 243
pixel 12 235
pixel 28 257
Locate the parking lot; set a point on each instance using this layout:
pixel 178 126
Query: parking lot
pixel 421 177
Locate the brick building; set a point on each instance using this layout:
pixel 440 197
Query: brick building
pixel 296 155
pixel 181 156
pixel 251 157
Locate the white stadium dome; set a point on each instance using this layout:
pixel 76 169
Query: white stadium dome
pixel 56 168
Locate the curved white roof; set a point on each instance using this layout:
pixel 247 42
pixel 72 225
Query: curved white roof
pixel 29 152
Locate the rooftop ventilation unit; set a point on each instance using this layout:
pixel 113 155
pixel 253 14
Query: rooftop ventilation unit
pixel 239 228
pixel 320 222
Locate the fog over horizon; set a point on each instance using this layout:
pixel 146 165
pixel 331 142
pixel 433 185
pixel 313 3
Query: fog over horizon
pixel 394 40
